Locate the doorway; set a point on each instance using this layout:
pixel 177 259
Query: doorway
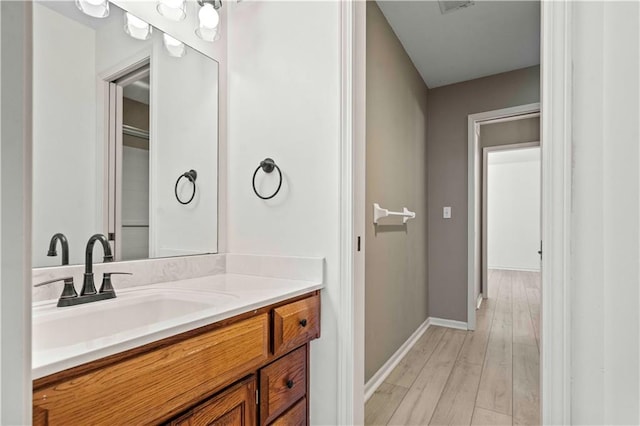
pixel 474 195
pixel 129 164
pixel 510 209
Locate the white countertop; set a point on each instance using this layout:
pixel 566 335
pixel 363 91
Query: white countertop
pixel 71 336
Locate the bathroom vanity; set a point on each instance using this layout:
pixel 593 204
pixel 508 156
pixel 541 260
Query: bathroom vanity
pixel 125 151
pixel 250 368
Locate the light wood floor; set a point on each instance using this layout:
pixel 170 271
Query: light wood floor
pixel 486 377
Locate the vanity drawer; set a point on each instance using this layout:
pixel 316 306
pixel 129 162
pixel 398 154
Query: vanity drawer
pixel 153 386
pixel 295 416
pixel 295 324
pixel 282 383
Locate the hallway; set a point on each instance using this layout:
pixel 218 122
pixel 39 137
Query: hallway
pixel 486 377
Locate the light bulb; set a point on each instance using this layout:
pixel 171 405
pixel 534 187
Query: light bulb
pixel 136 27
pixel 172 9
pixel 94 8
pixel 174 47
pixel 209 19
pixel 208 16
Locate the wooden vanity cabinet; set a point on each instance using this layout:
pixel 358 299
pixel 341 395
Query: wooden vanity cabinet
pixel 282 384
pixel 295 416
pixel 235 406
pixel 252 369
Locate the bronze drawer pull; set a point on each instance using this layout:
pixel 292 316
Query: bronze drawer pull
pixel 289 383
pixel 303 322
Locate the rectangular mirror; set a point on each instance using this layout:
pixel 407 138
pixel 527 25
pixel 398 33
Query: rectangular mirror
pixel 125 137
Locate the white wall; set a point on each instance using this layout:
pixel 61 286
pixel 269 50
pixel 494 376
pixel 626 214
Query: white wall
pixel 513 210
pixel 184 128
pixel 184 30
pixel 115 48
pixel 15 203
pixel 605 238
pixel 183 135
pixel 1 240
pixel 64 191
pixel 284 103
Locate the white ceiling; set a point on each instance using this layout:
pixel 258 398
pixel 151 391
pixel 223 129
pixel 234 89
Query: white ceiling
pixel 487 38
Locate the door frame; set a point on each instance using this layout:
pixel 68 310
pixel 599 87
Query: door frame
pixel 474 204
pixel 115 110
pixel 556 159
pixel 350 315
pixel 555 95
pixel 484 281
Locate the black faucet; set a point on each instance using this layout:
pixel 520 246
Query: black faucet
pixel 69 296
pixel 69 290
pixel 63 243
pixel 88 286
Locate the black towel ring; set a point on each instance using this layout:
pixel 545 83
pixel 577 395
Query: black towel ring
pixel 267 166
pixel 192 175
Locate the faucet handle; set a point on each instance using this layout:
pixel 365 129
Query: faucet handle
pixel 53 281
pixel 68 292
pixel 106 286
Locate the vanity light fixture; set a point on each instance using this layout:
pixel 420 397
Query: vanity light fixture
pixel 174 47
pixel 172 9
pixel 136 27
pixel 208 19
pixel 95 8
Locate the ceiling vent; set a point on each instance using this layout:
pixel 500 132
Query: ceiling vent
pixel 452 6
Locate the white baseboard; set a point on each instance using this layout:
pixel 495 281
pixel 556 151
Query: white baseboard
pixel 459 325
pixel 508 268
pixel 479 301
pixel 376 380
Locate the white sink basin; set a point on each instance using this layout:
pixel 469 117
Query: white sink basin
pixel 67 337
pixel 134 312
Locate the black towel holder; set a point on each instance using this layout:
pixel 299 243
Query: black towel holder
pixel 267 165
pixel 192 175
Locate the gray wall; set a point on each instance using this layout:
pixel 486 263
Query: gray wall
pixel 396 255
pixel 510 132
pixel 448 108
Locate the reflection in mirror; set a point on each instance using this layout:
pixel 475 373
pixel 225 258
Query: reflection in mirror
pixel 134 235
pixel 120 112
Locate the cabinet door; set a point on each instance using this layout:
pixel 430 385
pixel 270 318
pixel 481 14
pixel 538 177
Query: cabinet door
pixel 295 416
pixel 233 407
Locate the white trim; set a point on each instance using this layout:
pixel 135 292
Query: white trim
pixel 359 200
pixel 479 301
pixel 350 374
pixel 473 204
pixel 556 94
pixel 16 210
pixel 443 322
pixel 506 268
pixel 383 372
pixel 513 118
